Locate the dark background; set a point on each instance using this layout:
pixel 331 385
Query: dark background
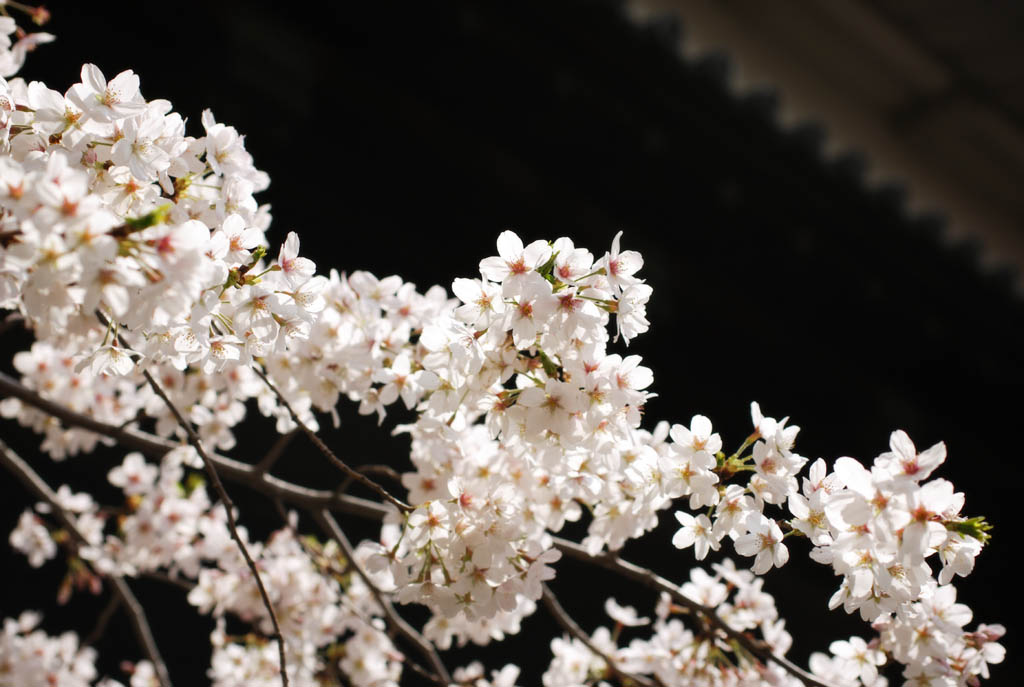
pixel 402 138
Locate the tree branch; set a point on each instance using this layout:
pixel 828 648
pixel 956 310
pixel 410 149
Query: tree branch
pixel 326 451
pixel 11 321
pixel 350 565
pixel 31 479
pixel 651 580
pixel 229 505
pixel 275 452
pixel 383 470
pixel 570 626
pixel 441 677
pixel 103 620
pixel 233 470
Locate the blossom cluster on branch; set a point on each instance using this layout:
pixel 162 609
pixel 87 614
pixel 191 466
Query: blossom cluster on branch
pixel 138 257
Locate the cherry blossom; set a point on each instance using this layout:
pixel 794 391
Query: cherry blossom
pixel 107 102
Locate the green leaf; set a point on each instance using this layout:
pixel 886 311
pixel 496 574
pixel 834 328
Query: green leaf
pixel 550 368
pixel 192 482
pixel 547 270
pixel 150 219
pixel 975 527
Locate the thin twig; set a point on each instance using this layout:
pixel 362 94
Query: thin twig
pixel 441 675
pixel 650 579
pixel 326 451
pixel 184 585
pixel 570 626
pixel 350 565
pixel 383 470
pixel 11 321
pixel 234 470
pixel 102 621
pixel 423 672
pixel 275 452
pixel 229 505
pixel 31 479
pixel 139 416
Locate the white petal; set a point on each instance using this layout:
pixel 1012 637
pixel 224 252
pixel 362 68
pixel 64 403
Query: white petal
pixel 510 246
pixel 93 78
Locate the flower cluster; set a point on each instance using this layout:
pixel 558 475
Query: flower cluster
pixel 323 612
pixel 30 657
pixel 107 206
pixel 875 527
pixel 736 510
pixel 527 418
pixel 675 654
pixel 170 526
pixel 927 637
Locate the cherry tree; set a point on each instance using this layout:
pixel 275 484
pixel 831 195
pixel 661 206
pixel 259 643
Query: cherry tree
pixel 166 316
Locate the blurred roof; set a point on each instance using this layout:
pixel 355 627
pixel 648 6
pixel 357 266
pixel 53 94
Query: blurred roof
pixel 929 90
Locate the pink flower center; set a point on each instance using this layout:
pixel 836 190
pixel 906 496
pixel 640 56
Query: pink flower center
pixel 519 266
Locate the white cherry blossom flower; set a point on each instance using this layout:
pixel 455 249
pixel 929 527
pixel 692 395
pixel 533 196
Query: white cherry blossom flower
pixel 137 148
pixel 861 657
pixel 294 269
pixel 514 261
pixel 624 615
pixel 763 540
pixel 533 305
pixel 696 532
pixel 241 239
pixel 571 263
pixel 620 267
pixel 134 475
pixel 110 359
pixel 904 462
pixel 631 311
pixel 107 102
pixel 482 302
pixel 224 148
pixel 33 539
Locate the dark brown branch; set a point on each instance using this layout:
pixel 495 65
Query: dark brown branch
pixel 159 576
pixel 275 452
pixel 383 470
pixel 233 470
pixel 570 626
pixel 102 621
pixel 392 630
pixel 222 493
pixel 328 453
pixel 350 565
pixel 137 441
pixel 650 579
pixel 10 322
pixel 330 525
pixel 229 508
pixel 24 472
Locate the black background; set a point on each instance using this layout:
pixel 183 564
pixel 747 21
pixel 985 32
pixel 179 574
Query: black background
pixel 402 138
